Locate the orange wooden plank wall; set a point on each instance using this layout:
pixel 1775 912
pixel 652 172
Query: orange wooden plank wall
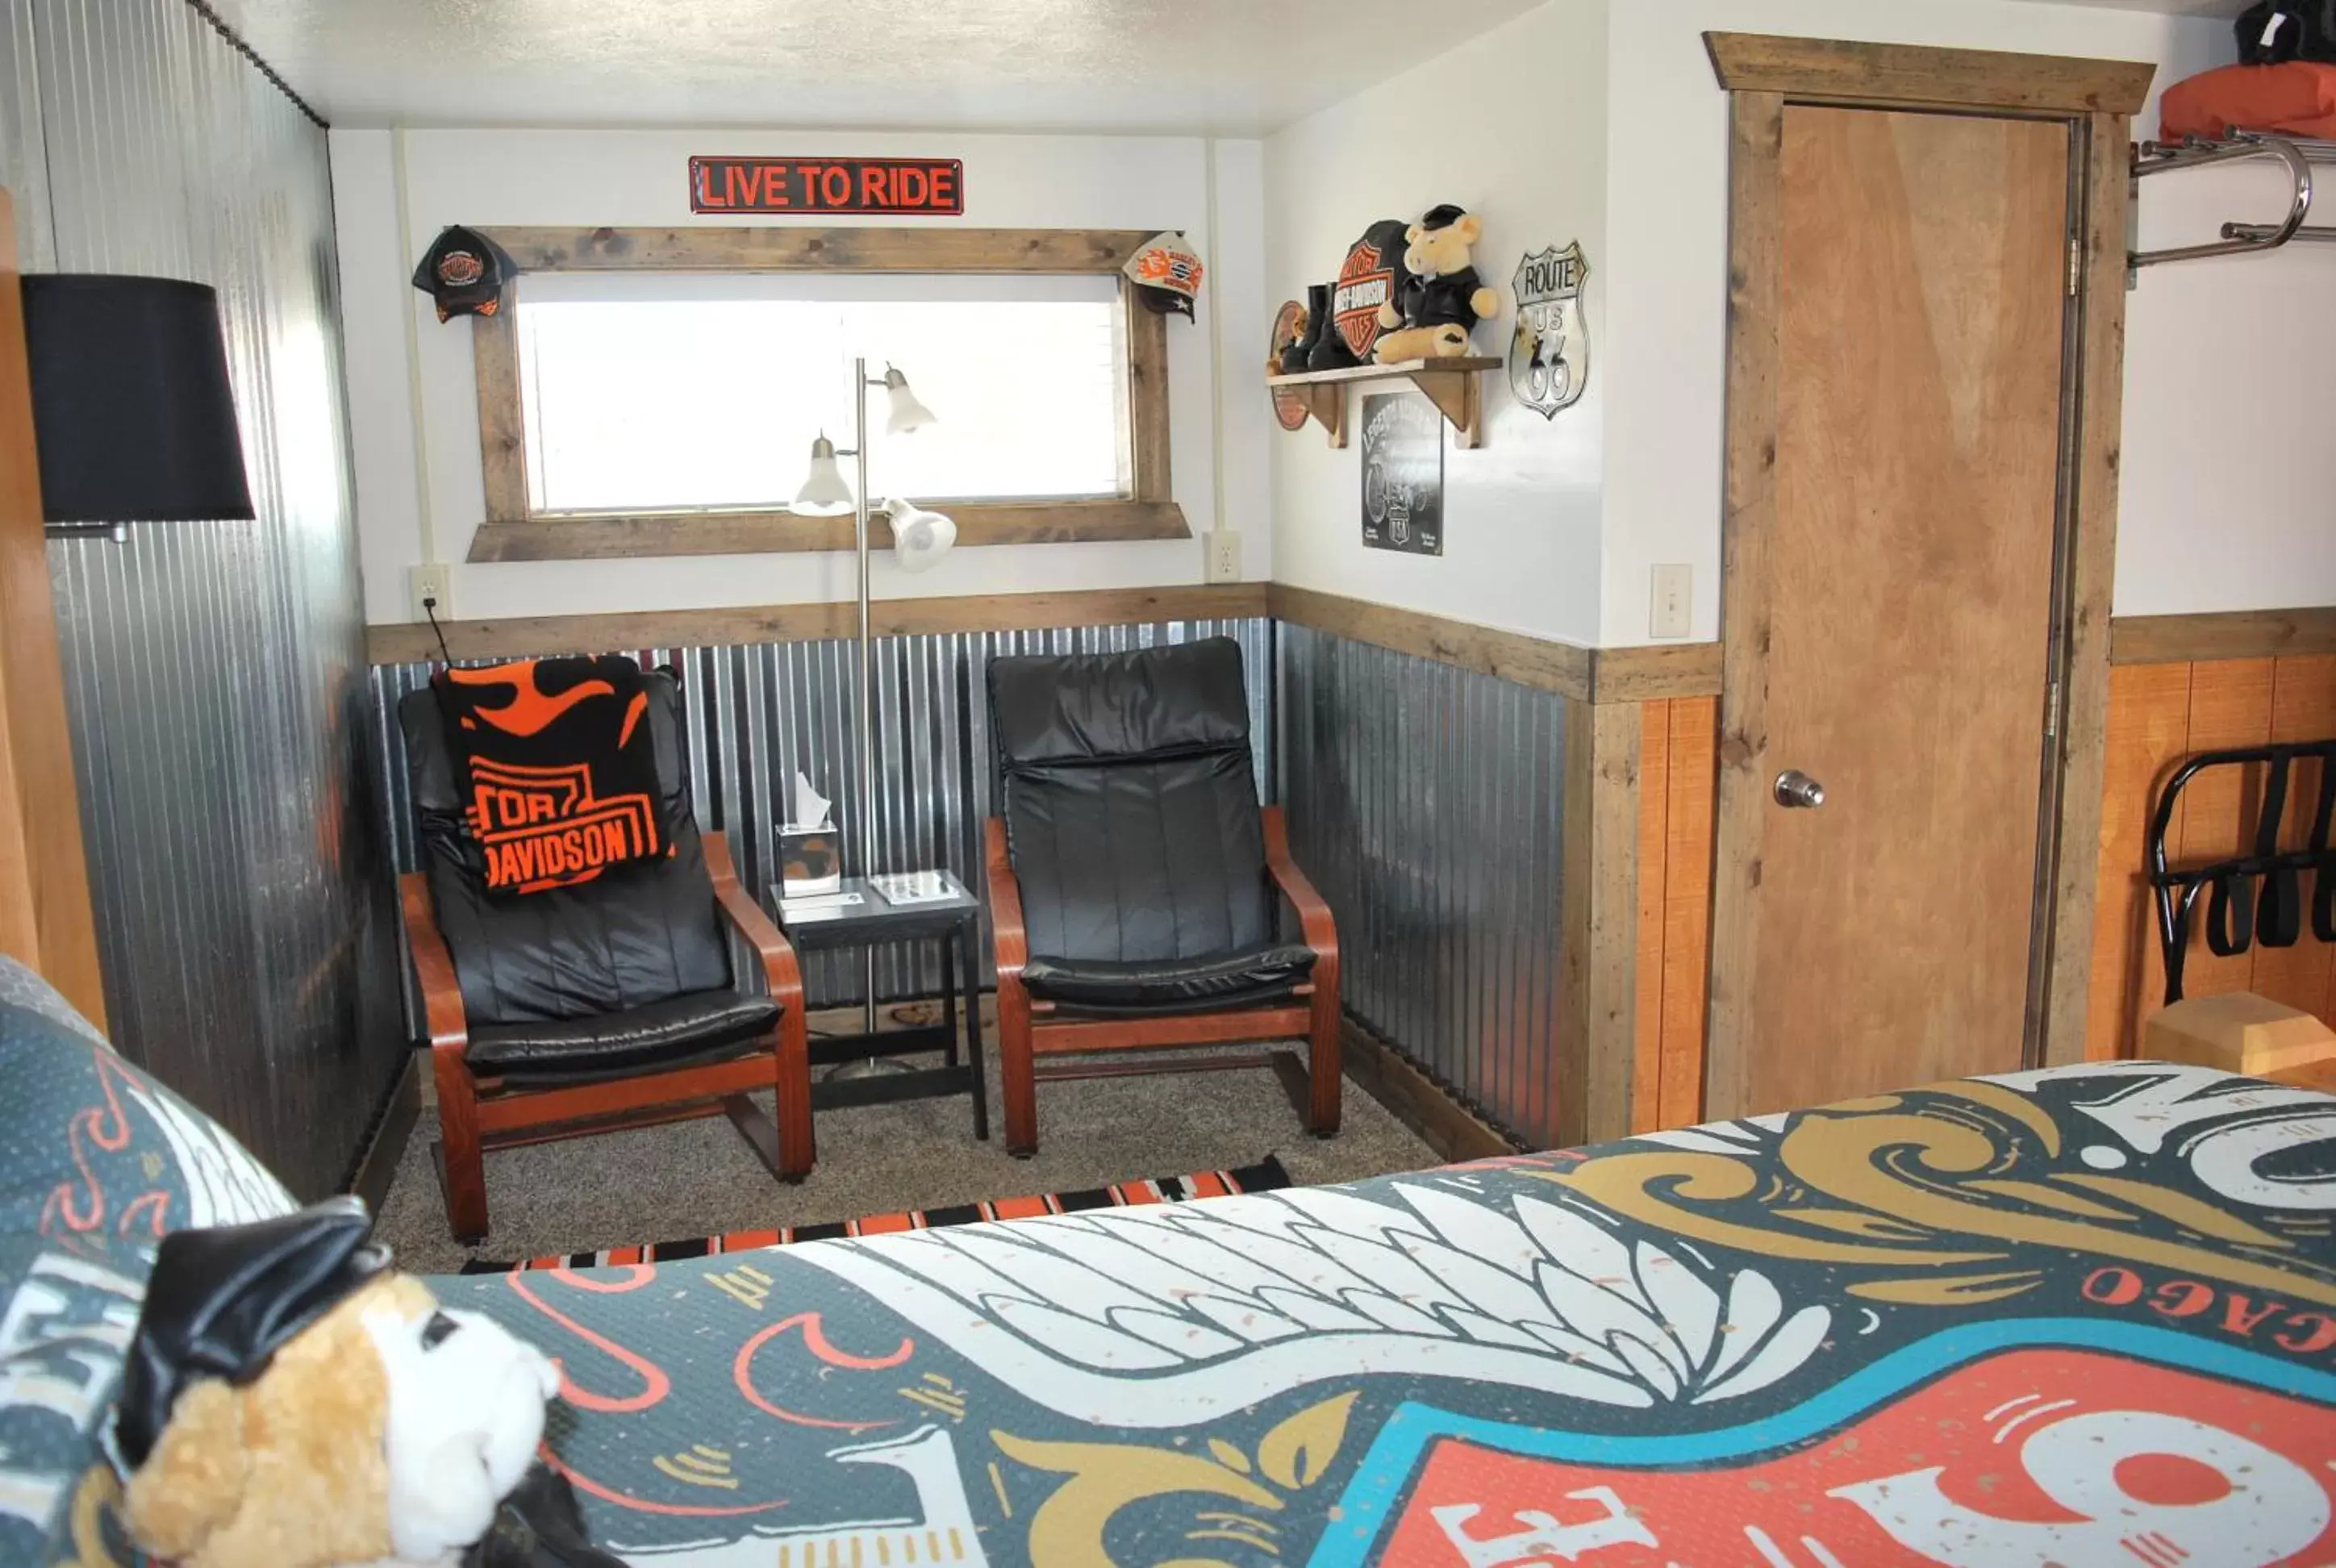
pixel 1678 775
pixel 2158 715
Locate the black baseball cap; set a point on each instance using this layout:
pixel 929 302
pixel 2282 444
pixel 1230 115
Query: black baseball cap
pixel 464 271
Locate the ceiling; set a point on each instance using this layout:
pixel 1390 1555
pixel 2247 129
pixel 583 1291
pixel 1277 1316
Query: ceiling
pixel 1227 67
pixel 2224 8
pixel 1231 67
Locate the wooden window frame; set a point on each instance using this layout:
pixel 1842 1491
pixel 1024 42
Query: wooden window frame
pixel 514 531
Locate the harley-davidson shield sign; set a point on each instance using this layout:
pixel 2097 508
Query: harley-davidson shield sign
pixel 1371 276
pixel 1549 353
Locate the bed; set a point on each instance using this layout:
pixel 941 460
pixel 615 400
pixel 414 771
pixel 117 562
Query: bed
pixel 2077 1316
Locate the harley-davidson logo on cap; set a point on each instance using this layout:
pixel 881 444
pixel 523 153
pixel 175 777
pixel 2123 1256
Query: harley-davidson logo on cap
pixel 1166 273
pixel 458 267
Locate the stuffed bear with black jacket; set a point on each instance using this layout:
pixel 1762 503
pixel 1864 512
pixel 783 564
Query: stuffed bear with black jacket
pixel 1442 298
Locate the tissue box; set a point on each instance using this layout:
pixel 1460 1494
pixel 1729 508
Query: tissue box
pixel 811 861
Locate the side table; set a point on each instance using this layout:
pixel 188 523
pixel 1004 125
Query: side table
pixel 955 923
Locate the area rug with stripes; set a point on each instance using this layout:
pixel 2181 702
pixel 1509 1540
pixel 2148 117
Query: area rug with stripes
pixel 1262 1177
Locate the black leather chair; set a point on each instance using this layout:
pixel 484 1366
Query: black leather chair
pixel 609 1004
pixel 1134 884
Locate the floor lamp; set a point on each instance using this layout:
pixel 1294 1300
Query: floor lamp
pixel 825 493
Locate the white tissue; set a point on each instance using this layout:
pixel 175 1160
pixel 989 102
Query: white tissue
pixel 811 807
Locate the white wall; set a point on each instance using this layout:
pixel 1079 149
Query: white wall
pixel 2228 491
pixel 1511 124
pixel 412 403
pixel 2226 499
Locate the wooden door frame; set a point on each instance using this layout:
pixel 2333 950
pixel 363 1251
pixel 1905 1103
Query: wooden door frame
pixel 2096 100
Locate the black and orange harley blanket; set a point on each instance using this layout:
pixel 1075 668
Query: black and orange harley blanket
pixel 2077 1316
pixel 558 771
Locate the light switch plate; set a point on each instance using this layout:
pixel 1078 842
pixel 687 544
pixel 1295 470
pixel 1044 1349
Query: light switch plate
pixel 1672 611
pixel 1222 549
pixel 432 579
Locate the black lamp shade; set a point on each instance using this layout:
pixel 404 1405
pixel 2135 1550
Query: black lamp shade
pixel 132 412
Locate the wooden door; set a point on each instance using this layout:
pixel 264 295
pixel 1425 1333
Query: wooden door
pixel 1891 616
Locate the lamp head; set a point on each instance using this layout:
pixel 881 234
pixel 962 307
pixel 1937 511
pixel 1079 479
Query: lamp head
pixel 133 415
pixel 908 413
pixel 920 537
pixel 823 491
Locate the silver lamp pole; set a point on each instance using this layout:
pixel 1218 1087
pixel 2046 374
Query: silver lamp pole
pixel 860 385
pixel 822 496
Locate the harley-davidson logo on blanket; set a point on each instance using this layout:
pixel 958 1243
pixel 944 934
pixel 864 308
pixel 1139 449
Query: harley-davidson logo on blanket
pixel 562 776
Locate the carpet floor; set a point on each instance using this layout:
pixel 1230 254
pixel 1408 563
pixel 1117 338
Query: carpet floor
pixel 699 1178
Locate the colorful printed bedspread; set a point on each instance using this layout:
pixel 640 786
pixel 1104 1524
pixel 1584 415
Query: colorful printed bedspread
pixel 2080 1315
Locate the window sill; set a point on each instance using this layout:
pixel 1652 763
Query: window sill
pixel 762 532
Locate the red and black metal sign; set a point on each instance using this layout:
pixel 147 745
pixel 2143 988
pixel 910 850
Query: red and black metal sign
pixel 929 186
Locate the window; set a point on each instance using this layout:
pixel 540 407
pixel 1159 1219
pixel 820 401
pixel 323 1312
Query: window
pixel 675 391
pixel 668 408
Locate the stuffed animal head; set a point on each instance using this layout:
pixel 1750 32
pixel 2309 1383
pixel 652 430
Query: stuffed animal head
pixel 1440 243
pixel 291 1402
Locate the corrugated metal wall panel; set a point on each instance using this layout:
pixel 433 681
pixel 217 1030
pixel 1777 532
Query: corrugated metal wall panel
pixel 758 712
pixel 212 667
pixel 1427 803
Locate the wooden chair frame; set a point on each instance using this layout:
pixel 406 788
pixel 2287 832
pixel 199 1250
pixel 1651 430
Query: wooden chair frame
pixel 1027 1030
pixel 478 1113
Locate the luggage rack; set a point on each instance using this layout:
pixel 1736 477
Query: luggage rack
pixel 2295 153
pixel 2258 895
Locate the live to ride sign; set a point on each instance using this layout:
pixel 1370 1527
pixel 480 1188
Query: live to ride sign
pixel 927 186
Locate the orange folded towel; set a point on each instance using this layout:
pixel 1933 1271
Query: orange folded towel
pixel 2297 97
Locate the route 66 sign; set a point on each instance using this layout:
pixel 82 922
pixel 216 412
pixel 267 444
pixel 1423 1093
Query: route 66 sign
pixel 1549 351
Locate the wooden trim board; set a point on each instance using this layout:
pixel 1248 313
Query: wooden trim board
pixel 1417 1101
pixel 1568 669
pixel 1599 923
pixel 533 636
pixel 1748 511
pixel 772 248
pixel 604 537
pixel 1622 675
pixel 1559 667
pixel 1901 75
pixel 503 426
pixel 2086 630
pixel 45 919
pixel 2228 634
pixel 1654 672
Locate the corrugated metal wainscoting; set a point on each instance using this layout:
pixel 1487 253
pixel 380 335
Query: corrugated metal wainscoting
pixel 758 712
pixel 212 667
pixel 1426 801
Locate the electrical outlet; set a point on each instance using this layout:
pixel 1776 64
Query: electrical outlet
pixel 1223 554
pixel 431 581
pixel 1671 615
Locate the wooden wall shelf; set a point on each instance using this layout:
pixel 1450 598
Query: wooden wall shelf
pixel 1450 383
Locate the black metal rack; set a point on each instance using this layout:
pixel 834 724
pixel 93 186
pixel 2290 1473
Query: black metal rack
pixel 2239 911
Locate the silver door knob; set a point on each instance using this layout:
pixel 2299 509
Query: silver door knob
pixel 1795 788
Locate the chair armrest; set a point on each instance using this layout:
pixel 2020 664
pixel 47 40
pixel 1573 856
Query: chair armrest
pixel 1005 903
pixel 780 970
pixel 433 966
pixel 1314 919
